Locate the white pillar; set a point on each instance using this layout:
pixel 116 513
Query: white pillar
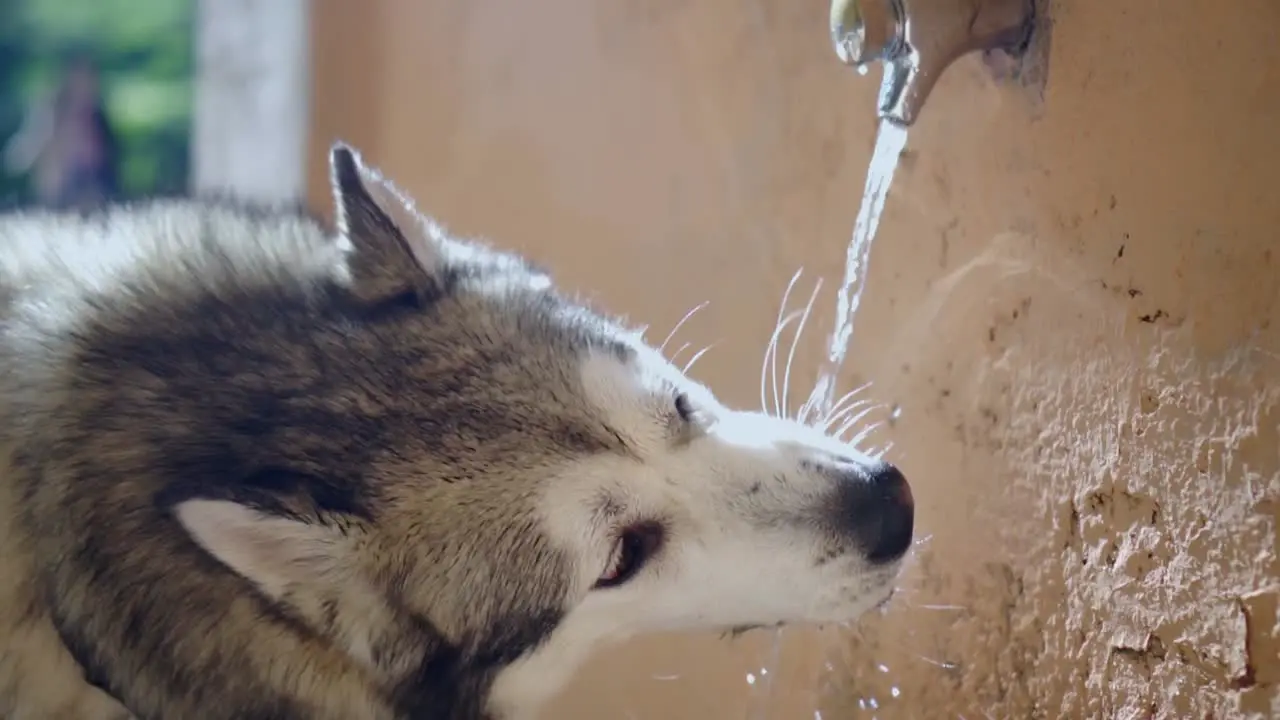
pixel 252 88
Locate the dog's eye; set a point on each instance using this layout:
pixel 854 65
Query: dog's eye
pixel 634 547
pixel 684 407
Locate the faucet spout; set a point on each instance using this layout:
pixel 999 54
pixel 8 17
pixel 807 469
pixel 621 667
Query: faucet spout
pixel 918 39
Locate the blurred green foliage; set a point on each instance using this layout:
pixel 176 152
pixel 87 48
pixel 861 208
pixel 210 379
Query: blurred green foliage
pixel 144 50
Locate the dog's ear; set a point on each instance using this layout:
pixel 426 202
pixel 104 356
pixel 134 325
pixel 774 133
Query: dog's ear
pixel 395 254
pixel 275 553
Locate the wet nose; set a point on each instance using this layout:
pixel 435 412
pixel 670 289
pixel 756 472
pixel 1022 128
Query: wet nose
pixel 878 511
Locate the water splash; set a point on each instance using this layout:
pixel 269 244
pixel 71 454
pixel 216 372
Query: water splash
pixel 890 142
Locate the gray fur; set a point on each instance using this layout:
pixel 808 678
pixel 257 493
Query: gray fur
pixel 166 351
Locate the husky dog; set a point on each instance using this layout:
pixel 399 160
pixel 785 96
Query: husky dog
pixel 254 469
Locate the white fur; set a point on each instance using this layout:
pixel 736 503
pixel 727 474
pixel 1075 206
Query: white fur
pixel 720 567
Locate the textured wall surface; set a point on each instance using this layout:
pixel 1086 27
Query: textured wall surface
pixel 1071 301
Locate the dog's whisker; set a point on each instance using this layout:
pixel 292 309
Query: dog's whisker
pixel 878 452
pixel 696 357
pixel 786 294
pixel 770 354
pixel 773 367
pixel 864 433
pixel 848 424
pixel 839 405
pixel 860 416
pixel 769 351
pixel 764 401
pixel 795 342
pixel 676 355
pixel 683 320
pixel 844 413
pixel 802 412
pixel 851 396
pixel 778 409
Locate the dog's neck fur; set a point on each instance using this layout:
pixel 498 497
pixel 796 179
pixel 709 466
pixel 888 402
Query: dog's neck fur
pixel 413 665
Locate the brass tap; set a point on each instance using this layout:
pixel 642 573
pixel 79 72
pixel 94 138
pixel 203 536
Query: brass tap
pixel 918 39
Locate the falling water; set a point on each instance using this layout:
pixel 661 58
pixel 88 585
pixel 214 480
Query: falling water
pixel 891 140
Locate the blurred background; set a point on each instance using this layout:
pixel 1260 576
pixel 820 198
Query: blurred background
pixel 121 99
pixel 95 99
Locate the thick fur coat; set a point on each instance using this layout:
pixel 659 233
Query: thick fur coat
pixel 254 468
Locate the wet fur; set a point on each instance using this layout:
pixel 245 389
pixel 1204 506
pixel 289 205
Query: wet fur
pixel 252 468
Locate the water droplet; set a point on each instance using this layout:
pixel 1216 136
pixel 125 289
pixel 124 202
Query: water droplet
pixel 896 412
pixel 764 671
pixel 862 704
pixel 751 678
pixel 883 668
pixel 894 691
pixel 874 705
pixel 863 69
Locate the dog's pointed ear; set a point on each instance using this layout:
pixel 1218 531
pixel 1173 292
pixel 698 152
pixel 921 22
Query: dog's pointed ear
pixel 275 553
pixel 395 255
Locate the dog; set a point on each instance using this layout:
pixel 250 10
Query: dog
pixel 255 468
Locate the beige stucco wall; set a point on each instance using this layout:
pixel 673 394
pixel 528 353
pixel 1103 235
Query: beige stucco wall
pixel 1071 300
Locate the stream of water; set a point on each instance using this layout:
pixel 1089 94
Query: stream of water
pixel 891 140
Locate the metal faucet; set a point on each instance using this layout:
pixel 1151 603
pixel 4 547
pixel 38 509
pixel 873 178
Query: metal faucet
pixel 919 39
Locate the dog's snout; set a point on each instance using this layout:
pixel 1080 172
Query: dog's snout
pixel 876 508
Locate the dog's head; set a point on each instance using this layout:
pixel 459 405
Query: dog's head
pixel 457 472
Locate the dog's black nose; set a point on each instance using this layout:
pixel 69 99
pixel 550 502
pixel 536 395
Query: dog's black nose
pixel 878 510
